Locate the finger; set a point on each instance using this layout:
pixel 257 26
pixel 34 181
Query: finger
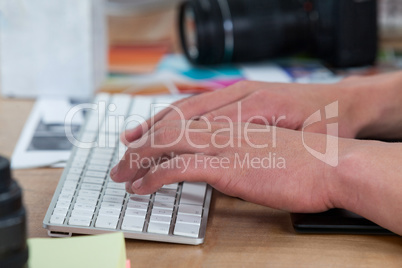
pixel 258 107
pixel 131 135
pixel 199 126
pixel 166 142
pixel 199 105
pixel 210 101
pixel 181 168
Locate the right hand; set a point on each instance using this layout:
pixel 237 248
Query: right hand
pixel 262 103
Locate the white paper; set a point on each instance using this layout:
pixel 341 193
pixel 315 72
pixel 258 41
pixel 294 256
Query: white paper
pixel 43 142
pixel 265 72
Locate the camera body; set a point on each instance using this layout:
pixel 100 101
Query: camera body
pixel 341 32
pixel 352 41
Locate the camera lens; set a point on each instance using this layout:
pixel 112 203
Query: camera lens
pixel 341 32
pixel 220 31
pixel 13 248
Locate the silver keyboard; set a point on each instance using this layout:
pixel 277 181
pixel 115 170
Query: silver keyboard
pixel 87 201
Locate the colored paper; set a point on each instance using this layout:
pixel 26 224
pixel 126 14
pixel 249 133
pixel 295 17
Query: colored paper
pixel 100 251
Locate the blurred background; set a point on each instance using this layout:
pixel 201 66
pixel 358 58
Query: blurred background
pixel 133 46
pixel 141 32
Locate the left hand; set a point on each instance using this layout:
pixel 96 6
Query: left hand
pixel 258 163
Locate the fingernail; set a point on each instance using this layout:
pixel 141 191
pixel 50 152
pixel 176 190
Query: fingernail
pixel 128 188
pixel 137 184
pixel 113 171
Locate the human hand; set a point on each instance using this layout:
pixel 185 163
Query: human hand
pixel 258 163
pixel 282 105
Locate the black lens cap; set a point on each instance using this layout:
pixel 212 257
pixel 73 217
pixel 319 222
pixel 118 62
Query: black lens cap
pixel 5 174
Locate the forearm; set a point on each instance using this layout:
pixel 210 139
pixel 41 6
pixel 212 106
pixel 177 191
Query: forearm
pixel 369 182
pixel 377 105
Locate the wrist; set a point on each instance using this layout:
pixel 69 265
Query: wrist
pixel 367 181
pixel 375 105
pixel 342 178
pixel 337 178
pixel 362 167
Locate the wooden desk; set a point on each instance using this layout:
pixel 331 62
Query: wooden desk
pixel 239 234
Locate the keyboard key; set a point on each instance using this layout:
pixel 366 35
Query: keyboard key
pixel 116 192
pixel 87 200
pixel 138 206
pixel 109 212
pixel 63 204
pixel 161 211
pixel 79 221
pixel 73 177
pixel 83 206
pixel 69 183
pixel 109 222
pixel 139 198
pixel 69 186
pixel 103 157
pixel 164 198
pixel 81 213
pixel 93 180
pixel 92 124
pixel 113 199
pixel 160 219
pixel 91 187
pixel 135 212
pixel 168 192
pixel 57 219
pixel 74 170
pixel 141 109
pixel 109 205
pixel 67 192
pixel 116 185
pixel 158 228
pixel 88 137
pixel 79 158
pixel 89 193
pixel 193 193
pixel 103 151
pixel 60 211
pixel 189 219
pixel 84 152
pixel 98 168
pixel 96 174
pixel 163 205
pixel 184 229
pixel 133 224
pixel 190 210
pixel 78 164
pixel 99 162
pixel 95 119
pixel 170 186
pixel 66 197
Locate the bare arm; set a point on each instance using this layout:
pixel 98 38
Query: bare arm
pixel 376 105
pixel 369 178
pixel 284 175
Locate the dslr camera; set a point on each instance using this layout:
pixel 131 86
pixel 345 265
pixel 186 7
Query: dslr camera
pixel 343 33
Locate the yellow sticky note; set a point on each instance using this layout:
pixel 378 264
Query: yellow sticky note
pixel 106 250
